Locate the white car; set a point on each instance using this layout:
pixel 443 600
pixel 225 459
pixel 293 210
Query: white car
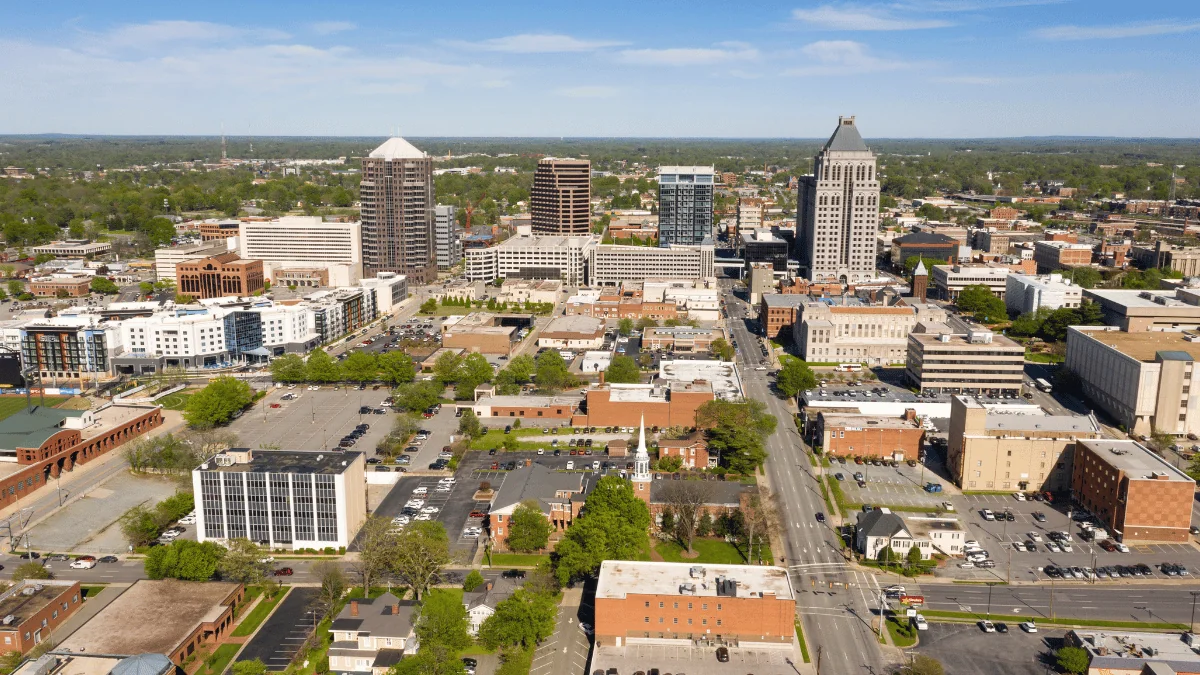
pixel 424 516
pixel 266 561
pixel 987 626
pixel 187 520
pixel 314 387
pixel 430 509
pixel 920 623
pixel 170 534
pixel 447 480
pixel 1019 496
pixel 1122 547
pixel 291 386
pixel 966 565
pixel 1053 547
pixel 1028 626
pixel 1034 536
pixel 1019 546
pixel 947 506
pixel 570 465
pixel 420 490
pixel 442 489
pixel 83 564
pixel 1065 546
pixel 414 503
pixel 400 520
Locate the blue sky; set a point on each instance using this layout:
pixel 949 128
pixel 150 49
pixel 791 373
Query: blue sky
pixel 906 68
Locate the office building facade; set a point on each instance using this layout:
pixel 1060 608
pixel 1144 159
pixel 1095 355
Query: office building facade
pixel 560 201
pixel 447 236
pixel 221 275
pixel 301 241
pixel 613 264
pixel 838 210
pixel 979 362
pixel 397 204
pixel 685 205
pixel 281 498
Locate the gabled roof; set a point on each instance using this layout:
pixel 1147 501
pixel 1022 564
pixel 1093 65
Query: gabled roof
pixel 397 148
pixel 538 483
pixel 501 590
pixel 880 523
pixel 846 137
pixel 385 616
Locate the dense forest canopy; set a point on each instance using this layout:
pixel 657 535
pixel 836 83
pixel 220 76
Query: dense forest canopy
pixel 135 180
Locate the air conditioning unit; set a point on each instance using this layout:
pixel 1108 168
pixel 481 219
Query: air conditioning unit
pixel 223 460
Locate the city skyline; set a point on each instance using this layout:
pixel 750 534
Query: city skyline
pixel 917 68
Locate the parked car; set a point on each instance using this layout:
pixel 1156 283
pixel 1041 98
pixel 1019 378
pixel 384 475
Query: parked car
pixel 987 626
pixel 284 572
pixel 722 654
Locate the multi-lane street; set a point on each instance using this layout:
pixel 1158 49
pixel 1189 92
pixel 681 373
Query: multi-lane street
pixel 835 602
pixel 1157 604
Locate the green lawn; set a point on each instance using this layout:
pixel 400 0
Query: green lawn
pixel 803 644
pixel 219 660
pixel 517 560
pixel 12 404
pixel 176 401
pixel 1040 357
pixel 90 591
pixel 527 439
pixel 261 611
pixel 712 551
pixel 902 634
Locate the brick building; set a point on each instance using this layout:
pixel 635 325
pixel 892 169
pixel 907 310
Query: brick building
pixel 693 451
pixel 778 313
pixel 1052 256
pixel 36 608
pixel 219 229
pixel 219 276
pixel 680 338
pixel 623 405
pixel 558 495
pixel 897 438
pixel 526 407
pixel 479 332
pixel 73 286
pixel 1136 494
pixel 48 441
pixel 681 603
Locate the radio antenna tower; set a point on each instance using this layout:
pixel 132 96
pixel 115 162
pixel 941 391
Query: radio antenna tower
pixel 223 155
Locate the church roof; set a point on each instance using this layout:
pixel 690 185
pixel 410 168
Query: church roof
pixel 397 148
pixel 920 271
pixel 846 137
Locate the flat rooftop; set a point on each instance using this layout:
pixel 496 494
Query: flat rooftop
pixel 785 300
pixel 1135 459
pixel 574 324
pixel 722 376
pixel 921 526
pixel 1026 422
pixel 1125 650
pixel 868 421
pixel 14 602
pixel 619 578
pixel 528 401
pixel 151 617
pixel 960 341
pixel 549 242
pixel 1143 346
pixel 1138 299
pixel 288 461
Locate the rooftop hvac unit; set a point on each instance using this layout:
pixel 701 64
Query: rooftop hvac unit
pixel 223 460
pixel 687 589
pixel 696 571
pixel 944 337
pixel 9 620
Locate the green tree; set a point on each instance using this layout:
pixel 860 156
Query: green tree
pixel 288 368
pixel 737 431
pixel 16 287
pixel 30 570
pixel 624 370
pixel 422 552
pixel 528 529
pixel 721 349
pixel 1090 314
pixel 469 426
pixel 914 556
pixel 474 580
pixel 443 621
pixel 993 311
pixel 183 559
pixel 612 526
pixel 161 231
pixel 886 555
pixel 146 287
pixel 251 667
pixel 646 322
pixel 625 326
pixel 1072 660
pixel 522 368
pixel 376 545
pixel 217 403
pixel 1084 277
pixel 102 285
pixel 794 377
pixel 1026 325
pixel 396 368
pixel 242 562
pixel 551 372
pixel 321 367
pixel 445 368
pixel 523 619
pixel 360 367
pixel 974 297
pixel 429 306
pixel 139 526
pixel 417 396
pixel 472 372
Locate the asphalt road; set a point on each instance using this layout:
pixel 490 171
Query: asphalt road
pixel 1159 603
pixel 838 619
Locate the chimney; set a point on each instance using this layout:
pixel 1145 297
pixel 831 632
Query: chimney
pixel 354 608
pixel 602 377
pixel 487 586
pixel 910 414
pixel 396 608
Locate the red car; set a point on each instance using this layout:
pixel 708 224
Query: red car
pixel 476 514
pixel 283 572
pixel 275 405
pixel 495 466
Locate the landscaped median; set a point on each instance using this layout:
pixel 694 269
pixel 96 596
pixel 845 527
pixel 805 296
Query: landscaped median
pixel 971 617
pixel 250 622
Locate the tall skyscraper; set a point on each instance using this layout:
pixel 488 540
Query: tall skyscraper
pixel 838 210
pixel 685 204
pixel 561 199
pixel 397 199
pixel 448 236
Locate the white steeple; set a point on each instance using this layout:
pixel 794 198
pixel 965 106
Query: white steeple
pixel 641 460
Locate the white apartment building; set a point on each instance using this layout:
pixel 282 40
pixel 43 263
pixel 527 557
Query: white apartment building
pixel 447 236
pixel 390 290
pixel 1027 293
pixel 947 281
pixel 530 256
pixel 749 213
pixel 285 328
pixel 838 210
pixel 613 264
pixel 696 298
pixel 305 242
pixel 854 332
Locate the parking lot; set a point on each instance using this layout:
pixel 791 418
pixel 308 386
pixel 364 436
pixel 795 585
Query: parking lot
pixel 902 485
pixel 283 633
pixel 313 420
pixel 453 507
pixel 997 538
pixel 964 648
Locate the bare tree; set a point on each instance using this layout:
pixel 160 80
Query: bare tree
pixel 761 518
pixel 377 546
pixel 332 585
pixel 687 500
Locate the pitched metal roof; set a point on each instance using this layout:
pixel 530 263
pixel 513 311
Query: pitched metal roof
pixel 397 148
pixel 846 137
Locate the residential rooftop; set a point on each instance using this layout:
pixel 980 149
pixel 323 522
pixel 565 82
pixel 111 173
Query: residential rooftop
pixel 620 578
pixel 282 461
pixel 1143 346
pixel 1134 459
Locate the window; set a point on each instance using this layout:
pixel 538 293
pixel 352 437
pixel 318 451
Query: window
pixel 647 603
pixel 660 604
pixel 647 620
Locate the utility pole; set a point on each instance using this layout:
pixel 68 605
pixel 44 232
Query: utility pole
pixel 1192 623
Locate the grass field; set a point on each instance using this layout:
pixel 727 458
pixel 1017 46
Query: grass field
pixel 517 560
pixel 176 401
pixel 13 404
pixel 216 663
pixel 261 611
pixel 712 552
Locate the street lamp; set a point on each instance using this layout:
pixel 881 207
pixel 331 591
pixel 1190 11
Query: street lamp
pixel 1192 623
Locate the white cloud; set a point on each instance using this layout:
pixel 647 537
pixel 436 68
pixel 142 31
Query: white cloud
pixel 150 35
pixel 842 57
pixel 331 27
pixel 536 43
pixel 589 91
pixel 701 56
pixel 1143 29
pixel 852 17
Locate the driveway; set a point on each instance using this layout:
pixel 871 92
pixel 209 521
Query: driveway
pixel 284 632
